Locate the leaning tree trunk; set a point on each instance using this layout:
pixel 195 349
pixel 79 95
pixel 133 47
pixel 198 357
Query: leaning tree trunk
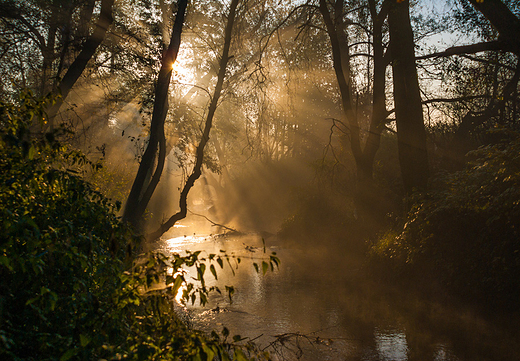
pixel 144 186
pixel 197 168
pixel 503 20
pixel 411 134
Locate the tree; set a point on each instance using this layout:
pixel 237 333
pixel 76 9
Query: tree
pixel 147 177
pixel 52 28
pixel 87 52
pixel 142 189
pixel 336 23
pixel 503 20
pixel 411 134
pixel 481 79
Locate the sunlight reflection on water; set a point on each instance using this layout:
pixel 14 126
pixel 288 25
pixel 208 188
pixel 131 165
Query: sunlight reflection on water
pixel 391 345
pixel 314 301
pixel 179 244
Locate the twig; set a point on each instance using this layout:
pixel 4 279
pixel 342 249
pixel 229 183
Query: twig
pixel 214 223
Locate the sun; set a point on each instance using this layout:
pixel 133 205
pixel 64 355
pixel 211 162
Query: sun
pixel 178 69
pixel 181 72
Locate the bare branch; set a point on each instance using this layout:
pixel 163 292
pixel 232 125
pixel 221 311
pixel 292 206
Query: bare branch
pixel 465 49
pixel 214 223
pixel 455 100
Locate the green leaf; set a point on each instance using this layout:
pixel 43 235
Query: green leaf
pixel 84 340
pixel 256 267
pixel 210 355
pixel 203 298
pixel 225 332
pixel 202 269
pixel 200 273
pixel 169 280
pixel 230 266
pixel 177 284
pixel 69 354
pixel 239 355
pixel 220 262
pixel 32 152
pixel 237 338
pixel 265 267
pixel 275 260
pixel 30 301
pixel 213 271
pixel 4 261
pixel 230 290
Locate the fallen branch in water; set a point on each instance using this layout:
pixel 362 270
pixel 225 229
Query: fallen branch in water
pixel 214 223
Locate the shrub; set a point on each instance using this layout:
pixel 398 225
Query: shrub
pixel 70 288
pixel 465 232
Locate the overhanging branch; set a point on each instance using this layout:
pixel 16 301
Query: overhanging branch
pixel 466 49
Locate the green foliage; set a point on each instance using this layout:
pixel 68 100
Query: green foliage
pixel 465 232
pixel 55 257
pixel 70 288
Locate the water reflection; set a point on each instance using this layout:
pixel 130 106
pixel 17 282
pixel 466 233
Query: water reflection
pixel 391 345
pixel 182 243
pixel 323 310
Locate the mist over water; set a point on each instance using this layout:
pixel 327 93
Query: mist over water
pixel 320 307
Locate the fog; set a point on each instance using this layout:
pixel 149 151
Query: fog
pixel 371 144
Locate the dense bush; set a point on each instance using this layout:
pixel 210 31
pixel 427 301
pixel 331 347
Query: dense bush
pixel 69 287
pixel 465 232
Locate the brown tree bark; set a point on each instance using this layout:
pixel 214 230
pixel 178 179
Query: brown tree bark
pixel 411 134
pixel 335 27
pixel 144 186
pixel 379 113
pixel 197 169
pixel 363 155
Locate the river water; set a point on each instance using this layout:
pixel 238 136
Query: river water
pixel 316 307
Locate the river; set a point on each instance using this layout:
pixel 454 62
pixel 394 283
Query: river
pixel 316 307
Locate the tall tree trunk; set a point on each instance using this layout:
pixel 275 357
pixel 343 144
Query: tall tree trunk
pixel 144 186
pixel 197 168
pixel 341 60
pixel 411 134
pixel 369 203
pixel 366 201
pixel 335 26
pixel 48 54
pixel 378 119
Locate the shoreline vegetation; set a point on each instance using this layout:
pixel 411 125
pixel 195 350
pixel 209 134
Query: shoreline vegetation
pixel 73 287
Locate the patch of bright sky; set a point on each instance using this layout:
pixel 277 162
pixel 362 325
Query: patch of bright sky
pixel 446 38
pixel 184 72
pixel 436 42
